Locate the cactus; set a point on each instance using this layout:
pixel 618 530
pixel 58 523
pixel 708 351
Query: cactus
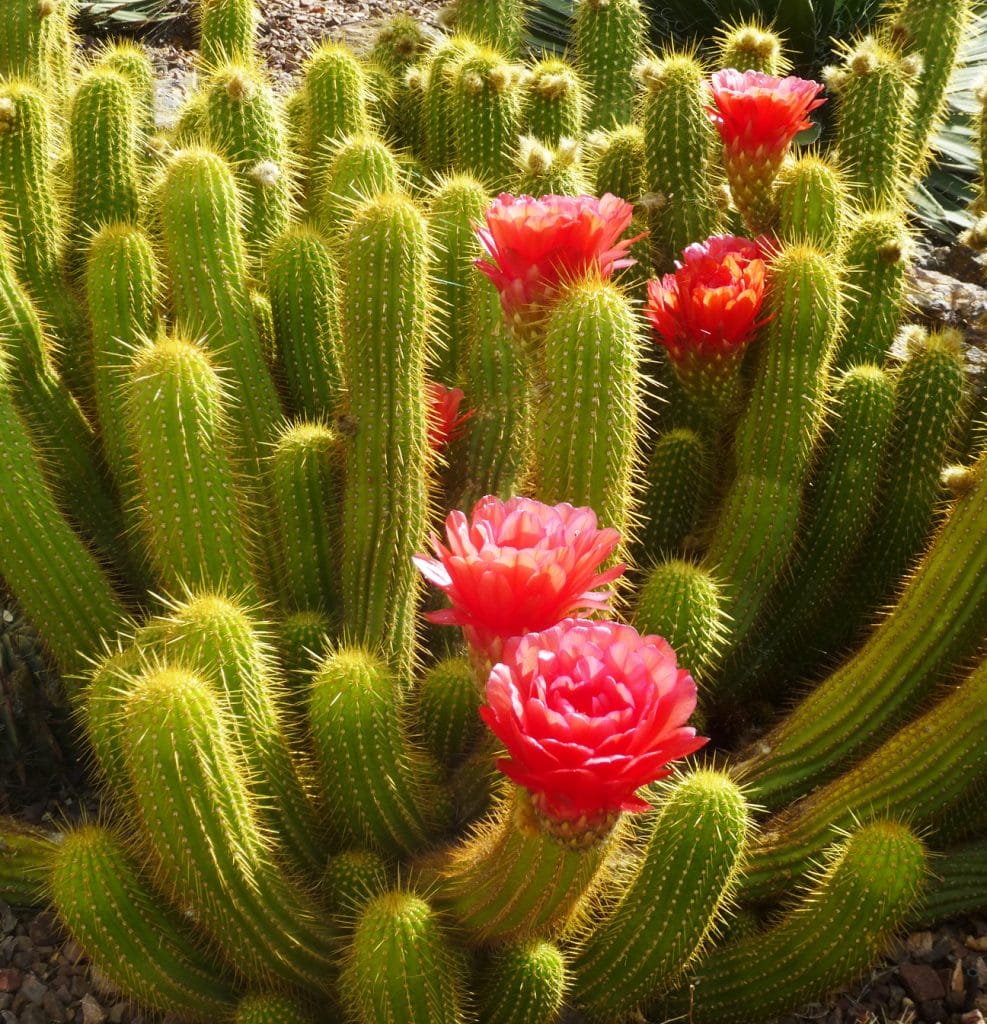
pixel 317 824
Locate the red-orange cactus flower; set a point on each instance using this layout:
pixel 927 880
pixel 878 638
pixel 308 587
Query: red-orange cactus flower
pixel 708 311
pixel 518 566
pixel 757 116
pixel 589 712
pixel 445 423
pixel 537 245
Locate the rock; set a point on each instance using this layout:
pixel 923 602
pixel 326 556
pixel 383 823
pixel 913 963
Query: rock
pixel 922 982
pixel 973 1017
pixel 116 1012
pixel 8 1017
pixel 92 1012
pixel 52 1006
pixel 33 989
pixel 10 979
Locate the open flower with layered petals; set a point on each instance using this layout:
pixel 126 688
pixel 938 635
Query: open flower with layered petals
pixel 707 312
pixel 445 423
pixel 757 116
pixel 535 246
pixel 518 566
pixel 589 712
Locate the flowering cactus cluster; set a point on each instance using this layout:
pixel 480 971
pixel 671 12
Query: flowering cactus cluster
pixel 646 361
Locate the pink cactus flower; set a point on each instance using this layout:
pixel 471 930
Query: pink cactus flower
pixel 445 423
pixel 589 712
pixel 518 566
pixel 536 246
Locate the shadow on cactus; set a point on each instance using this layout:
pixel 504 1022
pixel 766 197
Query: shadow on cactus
pixel 652 423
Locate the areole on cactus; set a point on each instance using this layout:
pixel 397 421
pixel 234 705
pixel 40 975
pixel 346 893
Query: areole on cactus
pixel 328 329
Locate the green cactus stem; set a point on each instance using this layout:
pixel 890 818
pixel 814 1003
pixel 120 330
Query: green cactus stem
pixel 191 127
pixel 678 150
pixel 867 889
pixel 749 46
pixel 244 126
pixel 616 162
pixel 192 510
pixel 511 880
pixel 305 472
pixel 457 204
pixel 757 528
pixel 938 620
pixel 352 878
pixel 33 36
pixel 693 857
pixel 144 950
pixel 553 105
pixel 302 640
pixel 380 789
pixel 438 142
pixel 812 203
pixel 402 967
pixel 675 493
pixel 495 453
pixel 876 259
pixel 524 983
pixel 907 777
pixel 495 23
pixel 227 31
pixel 133 62
pixel 588 417
pixel 26 856
pixel 958 885
pixel 842 503
pixel 384 318
pixel 549 172
pixel 448 707
pixel 53 418
pixel 302 282
pixel 608 43
pixel 681 602
pixel 875 110
pixel 361 167
pixel 268 1008
pixel 486 115
pixel 30 212
pixel 52 575
pixel 202 823
pixel 933 33
pixel 105 169
pixel 398 49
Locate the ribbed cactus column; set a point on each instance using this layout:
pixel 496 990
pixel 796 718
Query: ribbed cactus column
pixel 876 104
pixel 684 881
pixel 202 831
pixel 145 950
pixel 122 295
pixel 205 258
pixel 750 47
pixel 302 282
pixel 616 163
pixel 227 29
pixel 457 203
pixel 938 621
pixel 193 513
pixel 132 61
pixel 402 967
pixel 104 135
pixel 26 855
pixel 934 33
pixel 524 983
pixel 31 214
pixel 486 116
pixel 305 473
pixel 438 142
pixel 380 789
pixel 864 894
pixel 812 202
pixel 608 40
pixel 678 150
pixel 589 412
pixel 447 705
pixel 544 171
pixel 384 319
pixel 876 257
pixel 51 573
pixel 757 528
pixel 907 777
pixel 496 23
pixel 360 167
pixel 244 126
pixel 30 32
pixel 553 106
pixel 53 418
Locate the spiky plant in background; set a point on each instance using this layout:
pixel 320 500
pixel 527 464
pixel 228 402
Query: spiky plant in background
pixel 660 470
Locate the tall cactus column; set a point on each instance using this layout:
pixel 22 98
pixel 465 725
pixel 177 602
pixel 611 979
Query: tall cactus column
pixel 384 320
